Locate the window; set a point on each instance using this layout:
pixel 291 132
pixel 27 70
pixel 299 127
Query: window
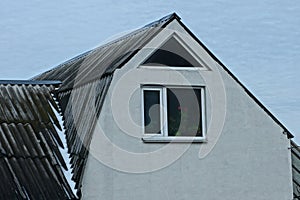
pixel 173 113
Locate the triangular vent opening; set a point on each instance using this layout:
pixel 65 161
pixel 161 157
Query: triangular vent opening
pixel 173 54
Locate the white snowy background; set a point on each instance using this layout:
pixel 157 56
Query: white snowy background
pixel 259 41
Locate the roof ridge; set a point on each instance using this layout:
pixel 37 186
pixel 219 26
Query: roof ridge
pixel 163 19
pixel 136 31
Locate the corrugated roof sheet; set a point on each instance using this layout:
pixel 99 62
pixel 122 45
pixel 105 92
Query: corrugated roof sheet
pixel 85 80
pixel 295 152
pixel 82 109
pixel 31 165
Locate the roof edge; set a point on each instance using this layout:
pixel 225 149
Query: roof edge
pixel 286 131
pixel 169 17
pixel 30 82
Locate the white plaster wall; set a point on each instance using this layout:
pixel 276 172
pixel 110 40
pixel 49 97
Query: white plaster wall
pixel 250 161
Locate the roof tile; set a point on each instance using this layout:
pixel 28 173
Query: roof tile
pixel 31 165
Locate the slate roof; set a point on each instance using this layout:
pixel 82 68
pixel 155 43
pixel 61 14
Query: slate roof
pixel 31 165
pixel 86 79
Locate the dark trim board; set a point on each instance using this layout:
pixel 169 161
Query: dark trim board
pixel 30 82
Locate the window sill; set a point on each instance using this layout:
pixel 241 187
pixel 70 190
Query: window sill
pixel 157 139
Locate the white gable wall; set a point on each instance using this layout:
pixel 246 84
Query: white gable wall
pixel 250 160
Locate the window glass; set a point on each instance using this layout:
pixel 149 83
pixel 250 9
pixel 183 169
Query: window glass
pixel 184 112
pixel 152 112
pixel 172 54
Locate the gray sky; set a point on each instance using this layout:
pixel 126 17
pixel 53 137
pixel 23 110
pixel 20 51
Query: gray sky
pixel 259 41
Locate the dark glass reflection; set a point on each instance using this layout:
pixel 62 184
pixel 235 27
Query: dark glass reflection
pixel 172 54
pixel 152 112
pixel 184 112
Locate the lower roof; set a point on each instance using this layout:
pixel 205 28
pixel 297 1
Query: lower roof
pixel 31 164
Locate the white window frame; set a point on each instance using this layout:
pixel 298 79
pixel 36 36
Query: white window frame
pixel 161 110
pixel 163 136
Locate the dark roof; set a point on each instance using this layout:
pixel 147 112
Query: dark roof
pixel 85 80
pixel 31 165
pixel 29 82
pixel 87 77
pixel 295 153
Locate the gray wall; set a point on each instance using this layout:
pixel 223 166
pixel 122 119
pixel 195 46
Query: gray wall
pixel 250 160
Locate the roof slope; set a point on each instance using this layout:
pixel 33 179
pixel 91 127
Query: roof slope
pixel 101 61
pixel 30 161
pixel 85 80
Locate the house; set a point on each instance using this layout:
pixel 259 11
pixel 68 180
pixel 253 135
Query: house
pixel 155 115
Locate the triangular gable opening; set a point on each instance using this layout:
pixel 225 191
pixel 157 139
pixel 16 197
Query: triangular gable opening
pixel 173 53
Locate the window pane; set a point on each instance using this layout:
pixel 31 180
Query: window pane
pixel 172 53
pixel 184 112
pixel 152 112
